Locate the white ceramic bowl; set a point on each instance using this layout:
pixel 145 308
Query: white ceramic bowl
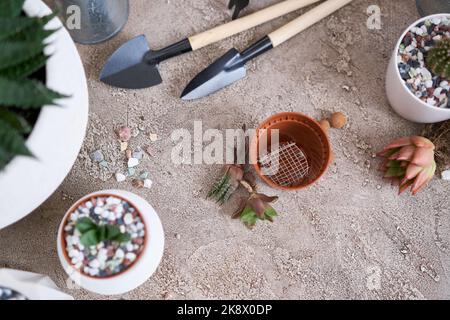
pixel 401 99
pixel 145 265
pixel 57 135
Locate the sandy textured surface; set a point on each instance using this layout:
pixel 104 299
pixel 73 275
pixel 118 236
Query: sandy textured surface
pixel 350 236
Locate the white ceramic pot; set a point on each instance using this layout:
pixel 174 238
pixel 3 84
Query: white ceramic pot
pixel 144 266
pixel 57 135
pixel 402 100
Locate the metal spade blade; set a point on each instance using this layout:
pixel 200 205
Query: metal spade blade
pixel 223 72
pixel 127 68
pixel 226 70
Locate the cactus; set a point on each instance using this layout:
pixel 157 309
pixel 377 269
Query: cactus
pixel 438 59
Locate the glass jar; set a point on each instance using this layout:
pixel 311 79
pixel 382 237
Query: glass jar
pixel 93 21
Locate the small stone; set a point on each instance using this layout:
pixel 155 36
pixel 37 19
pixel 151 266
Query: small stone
pixel 120 177
pixel 143 175
pixel 128 154
pixel 446 175
pixel 153 137
pixel 177 236
pixel 119 254
pixel 325 125
pixel 130 256
pixel 137 183
pixel 104 164
pixel 133 162
pixel 97 156
pixel 124 133
pixel 338 120
pixel 131 171
pixel 148 183
pixel 123 146
pixel 128 218
pixel 138 154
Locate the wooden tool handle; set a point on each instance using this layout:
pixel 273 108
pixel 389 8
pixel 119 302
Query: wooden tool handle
pixel 224 31
pixel 305 21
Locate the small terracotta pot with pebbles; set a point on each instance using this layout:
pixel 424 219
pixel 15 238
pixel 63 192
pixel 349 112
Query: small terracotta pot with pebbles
pixel 104 236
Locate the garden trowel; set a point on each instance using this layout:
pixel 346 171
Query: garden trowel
pixel 135 66
pixel 231 67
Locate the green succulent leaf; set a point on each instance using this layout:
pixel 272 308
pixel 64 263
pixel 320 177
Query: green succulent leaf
pixel 112 232
pixel 11 8
pixel 270 212
pixel 92 233
pixel 395 172
pixel 15 120
pixel 26 68
pixel 122 238
pixel 85 224
pixel 249 217
pixel 12 141
pixel 26 94
pixel 89 238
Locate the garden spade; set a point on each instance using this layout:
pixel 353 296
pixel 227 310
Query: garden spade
pixel 135 66
pixel 231 66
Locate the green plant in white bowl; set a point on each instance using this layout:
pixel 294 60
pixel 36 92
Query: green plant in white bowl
pixel 22 89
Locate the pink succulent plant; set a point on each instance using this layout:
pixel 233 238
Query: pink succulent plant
pixel 409 162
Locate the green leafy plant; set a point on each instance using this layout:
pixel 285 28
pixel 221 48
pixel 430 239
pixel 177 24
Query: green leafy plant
pixel 438 59
pixel 93 234
pixel 21 94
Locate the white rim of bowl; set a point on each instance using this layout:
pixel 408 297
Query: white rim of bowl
pixel 397 72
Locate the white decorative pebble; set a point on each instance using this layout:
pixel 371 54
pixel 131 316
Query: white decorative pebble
pixel 94 264
pixel 119 254
pixel 446 175
pixel 148 183
pixel 130 256
pixel 133 162
pixel 120 177
pixel 98 210
pixel 128 219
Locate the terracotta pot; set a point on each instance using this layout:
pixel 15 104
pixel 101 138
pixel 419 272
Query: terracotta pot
pixel 307 134
pixel 143 267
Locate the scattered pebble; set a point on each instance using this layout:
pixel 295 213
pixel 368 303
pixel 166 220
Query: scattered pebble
pixel 143 175
pixel 137 183
pixel 446 175
pixel 177 236
pixel 325 124
pixel 338 120
pixel 104 164
pixel 138 154
pixel 97 156
pixel 148 183
pixel 120 177
pixel 123 146
pixel 430 88
pixel 133 162
pixel 124 133
pixel 153 137
pixel 131 172
pixel 108 257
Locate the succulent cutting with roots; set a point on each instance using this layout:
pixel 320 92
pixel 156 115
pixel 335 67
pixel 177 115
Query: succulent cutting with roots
pixel 409 162
pixel 251 209
pixel 438 59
